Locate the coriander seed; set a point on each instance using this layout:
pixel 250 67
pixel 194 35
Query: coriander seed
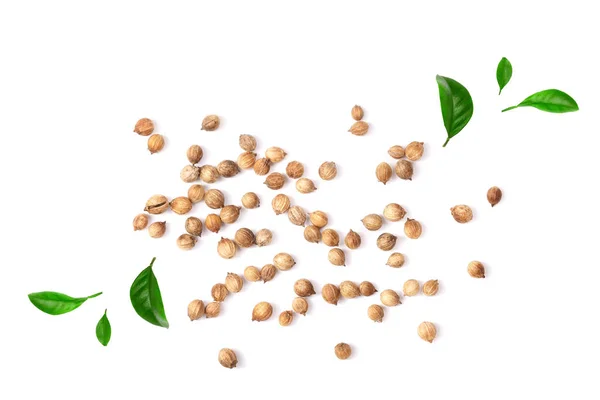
pixel 300 305
pixel 357 113
pixel 343 351
pixel 275 181
pixel 227 358
pixel 195 310
pixel 262 166
pixel 328 171
pixel 352 240
pixel 181 205
pixel 209 174
pixel 267 272
pixel 462 213
pixel 494 195
pixel 386 241
pixel 411 287
pixel 140 222
pixel 372 222
pixel 297 216
pixel 230 214
pixel 286 318
pixel 263 237
pixel 190 173
pixel 367 289
pixel 186 241
pixel 214 199
pixel 193 226
pixel 228 168
pixel 330 238
pixel 213 223
pixel 252 274
pixel 412 229
pixel 196 193
pixel 390 298
pixel 284 261
pixel 305 185
pixel 375 313
pixel 212 309
pixel 427 331
pixel 226 248
pixel 337 257
pixel 246 160
pixel 312 234
pixel 219 292
pixel 431 287
pixel 157 229
pixel 244 237
pixel 250 200
pixel 476 269
pixel 157 204
pixel 383 172
pixel 275 154
pixel 247 142
pixel 144 127
pixel 396 152
pixel 414 151
pixel 262 311
pixel 156 143
pixel 395 260
pixel 280 204
pixel 394 212
pixel 330 293
pixel 349 290
pixel 404 169
pixel 194 154
pixel 304 288
pixel 294 169
pixel 233 282
pixel 318 219
pixel 359 128
pixel 210 123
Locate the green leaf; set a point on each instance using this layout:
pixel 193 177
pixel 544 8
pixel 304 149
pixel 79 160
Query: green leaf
pixel 103 330
pixel 503 73
pixel 456 103
pixel 55 303
pixel 146 299
pixel 550 100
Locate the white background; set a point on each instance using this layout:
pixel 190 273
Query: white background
pixel 75 78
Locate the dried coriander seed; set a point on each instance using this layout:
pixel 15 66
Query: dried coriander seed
pixel 233 282
pixel 227 358
pixel 383 172
pixel 386 241
pixel 140 222
pixel 156 143
pixel 210 123
pixel 157 229
pixel 372 222
pixel 209 174
pixel 250 200
pixel 157 204
pixel 330 293
pixel 252 274
pixel 194 154
pixel 427 331
pixel 226 248
pixel 404 169
pixel 212 310
pixel 275 181
pixel 349 290
pixel 304 288
pixel 431 287
pixel 357 113
pixel 286 318
pixel 330 238
pixel 294 169
pixel 337 257
pixel 267 272
pixel 144 127
pixel 305 185
pixel 395 260
pixel 181 205
pixel 396 152
pixel 283 261
pixel 390 298
pixel 412 229
pixel 312 234
pixel 394 212
pixel 193 226
pixel 195 310
pixel 190 173
pixel 219 292
pixel 476 269
pixel 244 237
pixel 375 313
pixel 411 287
pixel 228 168
pixel 246 160
pixel 262 166
pixel 414 151
pixel 247 142
pixel 328 170
pixel 186 241
pixel 213 223
pixel 367 289
pixel 300 305
pixel 263 237
pixel 196 193
pixel 262 311
pixel 359 128
pixel 352 240
pixel 318 219
pixel 280 204
pixel 275 154
pixel 297 215
pixel 462 213
pixel 214 199
pixel 494 195
pixel 230 214
pixel 343 351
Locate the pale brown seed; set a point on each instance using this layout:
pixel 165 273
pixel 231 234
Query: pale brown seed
pixel 280 204
pixel 156 143
pixel 330 238
pixel 357 113
pixel 427 331
pixel 383 172
pixel 394 212
pixel 476 269
pixel 343 351
pixel 337 257
pixel 386 241
pixel 359 128
pixel 396 152
pixel 389 298
pixel 304 288
pixel 157 229
pixel 330 293
pixel 246 160
pixel 157 204
pixel 494 195
pixel 372 222
pixel 228 168
pixel 193 226
pixel 305 185
pixel 209 174
pixel 412 229
pixel 275 181
pixel 140 222
pixel 411 287
pixel 262 311
pixel 375 312
pixel 247 142
pixel 300 305
pixel 275 154
pixel 219 292
pixel 226 248
pixel 190 173
pixel 230 214
pixel 367 288
pixel 462 213
pixel 297 215
pixel 186 241
pixel 252 274
pixel 195 310
pixel 283 261
pixel 349 290
pixel 312 234
pixel 431 287
pixel 210 123
pixel 294 169
pixel 227 358
pixel 395 260
pixel 194 154
pixel 212 309
pixel 262 166
pixel 286 318
pixel 250 200
pixel 263 237
pixel 404 169
pixel 144 127
pixel 318 219
pixel 213 223
pixel 181 205
pixel 196 193
pixel 328 170
pixel 233 282
pixel 414 151
pixel 268 272
pixel 214 199
pixel 244 237
pixel 352 240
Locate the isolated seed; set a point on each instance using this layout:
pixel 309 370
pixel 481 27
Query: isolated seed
pixel 186 241
pixel 367 288
pixel 268 272
pixel 318 219
pixel 190 173
pixel 343 351
pixel 294 169
pixel 286 318
pixel 412 228
pixel 194 154
pixel 359 128
pixel 297 216
pixel 250 200
pixel 337 257
pixel 494 195
pixel 414 151
pixel 230 214
pixel 262 311
pixel 226 248
pixel 462 213
pixel 181 205
pixel 196 193
pixel 263 237
pixel 390 298
pixel 283 261
pixel 252 274
pixel 247 142
pixel 209 174
pixel 262 166
pixel 330 294
pixel 383 172
pixel 372 222
pixel 275 154
pixel 427 331
pixel 395 260
pixel 212 309
pixel 210 123
pixel 213 223
pixel 156 143
pixel 246 160
pixel 227 358
pixel 219 292
pixel 193 226
pixel 300 305
pixel 157 204
pixel 244 237
pixel 349 290
pixel 305 185
pixel 140 222
pixel 195 310
pixel 214 199
pixel 304 288
pixel 144 127
pixel 157 229
pixel 280 204
pixel 375 312
pixel 312 234
pixel 396 152
pixel 411 287
pixel 330 238
pixel 357 113
pixel 275 181
pixel 476 269
pixel 430 288
pixel 386 241
pixel 394 212
pixel 404 169
pixel 328 170
pixel 233 282
pixel 352 240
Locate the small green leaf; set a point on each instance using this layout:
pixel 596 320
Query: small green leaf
pixel 103 330
pixel 55 303
pixel 146 299
pixel 550 100
pixel 503 73
pixel 456 104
